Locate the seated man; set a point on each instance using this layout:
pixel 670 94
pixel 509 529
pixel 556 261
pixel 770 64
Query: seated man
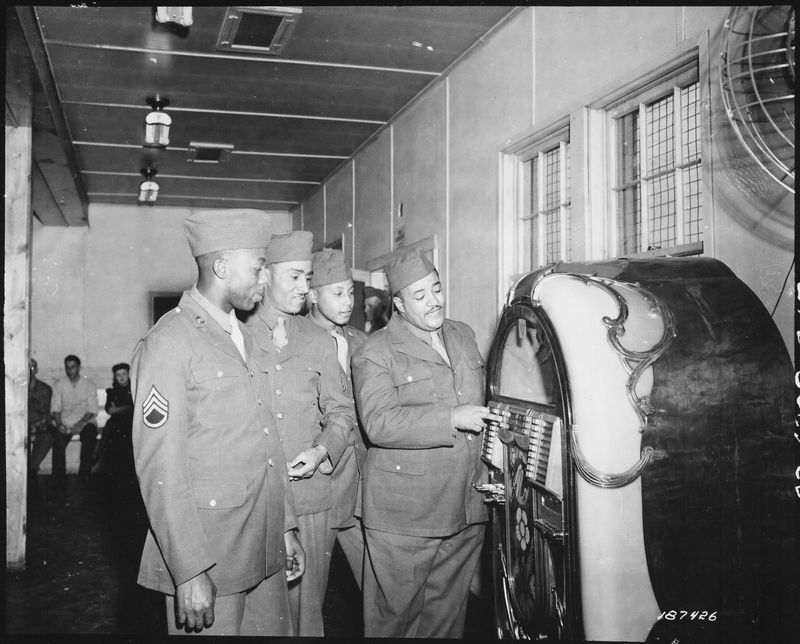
pixel 74 411
pixel 41 432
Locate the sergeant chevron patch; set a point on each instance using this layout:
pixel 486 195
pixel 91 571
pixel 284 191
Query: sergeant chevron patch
pixel 155 409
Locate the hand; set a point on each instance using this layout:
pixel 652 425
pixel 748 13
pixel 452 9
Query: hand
pixel 194 602
pixel 295 556
pixel 63 429
pixel 470 418
pixel 308 460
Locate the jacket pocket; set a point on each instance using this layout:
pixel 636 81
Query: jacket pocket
pixel 397 462
pixel 212 494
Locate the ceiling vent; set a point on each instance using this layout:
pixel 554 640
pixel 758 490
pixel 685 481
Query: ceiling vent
pixel 259 30
pixel 209 152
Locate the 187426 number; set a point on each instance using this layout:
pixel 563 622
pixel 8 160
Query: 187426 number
pixel 673 615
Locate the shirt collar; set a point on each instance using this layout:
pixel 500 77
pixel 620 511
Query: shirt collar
pixel 225 320
pixel 423 335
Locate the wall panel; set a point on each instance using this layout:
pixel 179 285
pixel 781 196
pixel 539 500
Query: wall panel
pixel 419 171
pixel 314 217
pixel 339 209
pixel 490 101
pixel 373 200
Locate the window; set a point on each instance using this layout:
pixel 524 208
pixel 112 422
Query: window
pixel 544 219
pixel 658 171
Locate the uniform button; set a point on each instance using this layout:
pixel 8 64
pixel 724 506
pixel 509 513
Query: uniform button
pixel 409 378
pixel 278 392
pixel 459 392
pixel 397 467
pixel 213 503
pixel 280 415
pixel 219 374
pixel 469 438
pixel 198 319
pixel 266 431
pixel 250 373
pixel 258 400
pixel 270 463
pixel 277 367
pixel 177 309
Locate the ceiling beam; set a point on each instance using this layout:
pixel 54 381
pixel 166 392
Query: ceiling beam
pixel 67 177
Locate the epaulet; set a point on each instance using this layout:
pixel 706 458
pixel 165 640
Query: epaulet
pixel 166 321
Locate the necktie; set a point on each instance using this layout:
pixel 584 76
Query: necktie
pixel 341 348
pixel 438 345
pixel 236 335
pixel 279 338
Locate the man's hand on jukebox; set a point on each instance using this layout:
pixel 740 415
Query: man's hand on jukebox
pixel 471 418
pixel 194 602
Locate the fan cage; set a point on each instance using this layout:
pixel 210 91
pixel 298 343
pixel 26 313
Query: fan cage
pixel 757 75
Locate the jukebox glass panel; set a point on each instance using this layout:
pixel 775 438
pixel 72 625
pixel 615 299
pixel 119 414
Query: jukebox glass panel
pixel 526 365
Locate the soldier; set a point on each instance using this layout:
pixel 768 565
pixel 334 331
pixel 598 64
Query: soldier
pixel 332 299
pixel 419 386
pixel 209 460
pixel 315 415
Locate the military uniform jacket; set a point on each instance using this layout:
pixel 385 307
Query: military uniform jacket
pixel 210 464
pixel 346 477
pixel 419 470
pixel 311 405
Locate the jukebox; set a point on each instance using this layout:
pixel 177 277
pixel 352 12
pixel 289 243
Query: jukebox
pixel 641 480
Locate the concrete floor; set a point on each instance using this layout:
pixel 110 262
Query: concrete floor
pixel 83 548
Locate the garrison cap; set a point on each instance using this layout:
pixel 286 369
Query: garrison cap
pixel 406 267
pixel 228 229
pixel 291 247
pixel 120 365
pixel 329 267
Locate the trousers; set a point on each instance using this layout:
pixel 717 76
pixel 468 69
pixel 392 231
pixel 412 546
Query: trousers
pixel 419 586
pixel 58 442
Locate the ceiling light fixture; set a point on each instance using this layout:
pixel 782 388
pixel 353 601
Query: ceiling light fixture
pixel 148 189
pixel 178 15
pixel 157 122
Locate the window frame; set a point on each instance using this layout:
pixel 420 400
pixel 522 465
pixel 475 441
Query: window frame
pixel 514 198
pixel 690 64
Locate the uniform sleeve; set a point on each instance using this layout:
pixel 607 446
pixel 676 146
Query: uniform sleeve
pixel 338 412
pixel 289 515
pixel 386 422
pixel 160 426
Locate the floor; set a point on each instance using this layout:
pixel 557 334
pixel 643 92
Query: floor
pixel 83 548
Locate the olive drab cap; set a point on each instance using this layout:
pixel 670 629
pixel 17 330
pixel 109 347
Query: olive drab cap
pixel 329 267
pixel 406 267
pixel 291 247
pixel 214 230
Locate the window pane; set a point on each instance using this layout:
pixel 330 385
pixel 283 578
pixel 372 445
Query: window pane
pixel 567 203
pixel 690 115
pixel 692 204
pixel 661 207
pixel 552 204
pixel 629 218
pixel 660 136
pixel 628 149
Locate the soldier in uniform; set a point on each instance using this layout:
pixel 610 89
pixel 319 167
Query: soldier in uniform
pixel 314 414
pixel 419 386
pixel 332 299
pixel 208 455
